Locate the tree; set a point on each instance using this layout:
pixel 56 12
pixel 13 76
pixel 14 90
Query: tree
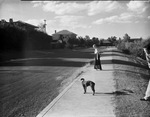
pixel 126 38
pixel 42 27
pixel 89 43
pixel 87 37
pixel 81 41
pixel 95 40
pixel 101 41
pixel 112 39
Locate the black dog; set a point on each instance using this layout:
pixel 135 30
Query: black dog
pixel 85 84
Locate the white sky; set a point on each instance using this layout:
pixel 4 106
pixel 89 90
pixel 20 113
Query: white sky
pixel 100 19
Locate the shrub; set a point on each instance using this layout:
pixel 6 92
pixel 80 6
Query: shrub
pixel 134 48
pixel 123 46
pixel 18 38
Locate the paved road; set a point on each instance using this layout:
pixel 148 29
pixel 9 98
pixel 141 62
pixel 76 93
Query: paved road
pixel 73 103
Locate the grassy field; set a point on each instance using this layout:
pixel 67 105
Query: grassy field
pixel 31 80
pixel 131 75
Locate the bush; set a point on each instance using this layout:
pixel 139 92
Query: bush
pixel 12 38
pixel 123 46
pixel 17 38
pixel 134 48
pixel 38 40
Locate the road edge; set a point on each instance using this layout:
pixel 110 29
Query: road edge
pixel 55 100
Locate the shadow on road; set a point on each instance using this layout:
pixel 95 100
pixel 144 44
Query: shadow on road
pixel 75 58
pixel 109 93
pixel 44 62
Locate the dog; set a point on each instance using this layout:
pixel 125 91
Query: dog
pixel 85 84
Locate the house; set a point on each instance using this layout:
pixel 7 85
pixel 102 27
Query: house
pixel 19 23
pixel 135 40
pixel 25 25
pixel 60 38
pixel 106 43
pixel 63 35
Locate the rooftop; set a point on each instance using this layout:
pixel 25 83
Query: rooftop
pixel 66 32
pixel 24 23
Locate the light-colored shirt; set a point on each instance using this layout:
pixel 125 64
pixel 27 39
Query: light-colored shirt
pixel 147 57
pixel 96 51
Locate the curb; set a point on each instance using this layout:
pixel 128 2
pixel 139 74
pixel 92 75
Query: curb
pixel 49 106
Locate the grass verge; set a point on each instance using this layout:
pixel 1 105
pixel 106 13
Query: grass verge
pixel 134 79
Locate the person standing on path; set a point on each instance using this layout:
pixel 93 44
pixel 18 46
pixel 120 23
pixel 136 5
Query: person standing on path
pixel 97 63
pixel 147 93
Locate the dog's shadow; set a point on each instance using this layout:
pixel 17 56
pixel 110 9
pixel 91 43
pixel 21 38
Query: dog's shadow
pixel 112 93
pixel 116 93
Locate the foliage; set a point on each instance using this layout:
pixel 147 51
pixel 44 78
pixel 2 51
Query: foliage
pixel 17 38
pixel 38 40
pixel 134 48
pixel 89 42
pixel 146 43
pixel 82 41
pixel 87 37
pixel 95 40
pixel 71 42
pixel 112 39
pixel 126 37
pixel 12 38
pixel 85 42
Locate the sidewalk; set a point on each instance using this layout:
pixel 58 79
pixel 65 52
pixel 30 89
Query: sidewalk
pixel 73 103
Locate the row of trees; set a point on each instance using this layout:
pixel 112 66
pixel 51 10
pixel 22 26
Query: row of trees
pixel 87 42
pixel 77 42
pixel 83 42
pixel 14 37
pixel 18 38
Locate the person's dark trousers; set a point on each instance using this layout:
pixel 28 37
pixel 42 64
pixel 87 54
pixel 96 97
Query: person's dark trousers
pixel 97 64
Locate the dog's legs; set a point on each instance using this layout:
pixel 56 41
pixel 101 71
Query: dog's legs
pixel 84 87
pixel 93 88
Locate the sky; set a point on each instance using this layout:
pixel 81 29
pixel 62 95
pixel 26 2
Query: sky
pixel 100 19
